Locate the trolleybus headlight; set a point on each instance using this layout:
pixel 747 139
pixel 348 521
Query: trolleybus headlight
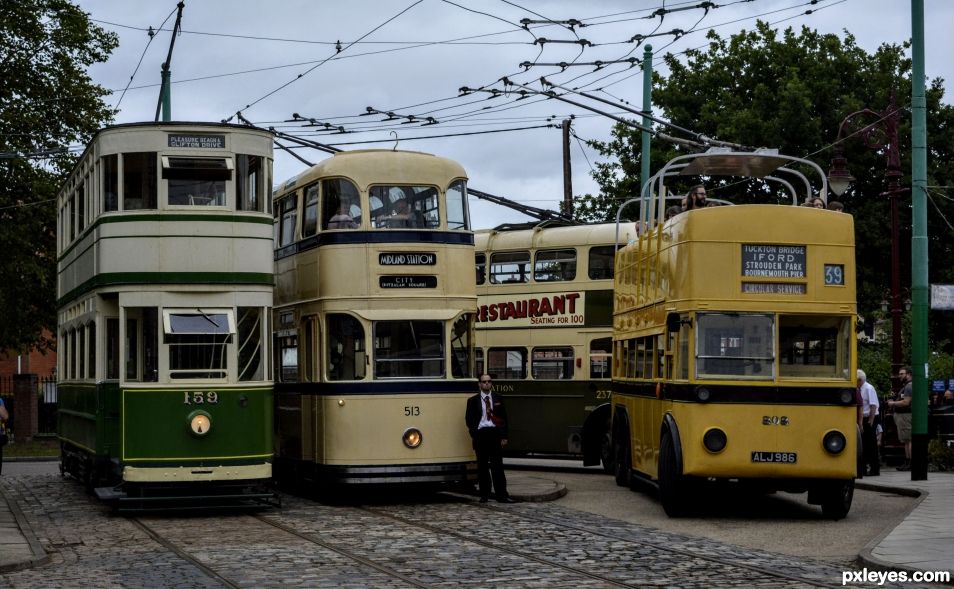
pixel 703 394
pixel 412 438
pixel 847 397
pixel 200 423
pixel 834 442
pixel 714 440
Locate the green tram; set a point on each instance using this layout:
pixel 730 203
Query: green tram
pixel 164 286
pixel 544 332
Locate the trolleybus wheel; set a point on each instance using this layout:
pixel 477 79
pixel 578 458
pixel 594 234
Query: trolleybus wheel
pixel 672 485
pixel 622 465
pixel 836 499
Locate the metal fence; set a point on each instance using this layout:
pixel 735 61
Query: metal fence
pixel 46 403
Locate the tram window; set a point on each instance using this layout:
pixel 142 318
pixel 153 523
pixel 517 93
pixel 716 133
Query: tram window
pixel 250 193
pixel 341 207
pixel 814 347
pixel 309 353
pixel 457 214
pixel 479 361
pixel 139 181
pixel 72 353
pixel 91 351
pixel 80 352
pixel 507 363
pixel 552 363
pixel 481 264
pixel 403 207
pixel 601 261
pixel 198 343
pixel 462 342
pixel 110 183
pixel 196 181
pixel 408 349
pixel 509 267
pixel 250 365
pixel 555 265
pixel 309 222
pixel 601 351
pixel 80 207
pixel 346 348
pixel 288 358
pixel 286 214
pixel 112 348
pixel 735 345
pixel 682 357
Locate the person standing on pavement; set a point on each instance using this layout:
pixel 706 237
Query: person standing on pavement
pixel 869 431
pixel 902 414
pixel 4 416
pixel 486 419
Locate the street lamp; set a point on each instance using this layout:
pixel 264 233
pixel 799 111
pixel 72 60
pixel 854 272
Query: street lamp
pixel 882 133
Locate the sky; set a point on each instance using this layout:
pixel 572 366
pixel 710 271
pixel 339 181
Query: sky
pixel 331 61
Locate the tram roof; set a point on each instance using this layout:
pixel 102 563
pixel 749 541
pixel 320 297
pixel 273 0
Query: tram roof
pixel 543 235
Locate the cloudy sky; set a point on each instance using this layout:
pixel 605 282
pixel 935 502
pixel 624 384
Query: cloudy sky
pixel 330 61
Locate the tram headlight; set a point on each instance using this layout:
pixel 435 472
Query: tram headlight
pixel 412 438
pixel 834 442
pixel 714 440
pixel 200 423
pixel 703 394
pixel 847 397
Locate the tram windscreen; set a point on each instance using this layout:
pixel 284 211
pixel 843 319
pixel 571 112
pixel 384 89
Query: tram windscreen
pixel 735 345
pixel 405 349
pixel 814 347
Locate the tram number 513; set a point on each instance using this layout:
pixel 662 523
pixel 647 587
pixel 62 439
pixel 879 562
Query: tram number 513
pixel 411 410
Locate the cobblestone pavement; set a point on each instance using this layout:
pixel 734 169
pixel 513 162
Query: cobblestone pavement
pixel 443 542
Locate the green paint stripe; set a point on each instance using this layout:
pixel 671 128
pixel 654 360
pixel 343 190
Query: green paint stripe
pixel 167 278
pixel 166 217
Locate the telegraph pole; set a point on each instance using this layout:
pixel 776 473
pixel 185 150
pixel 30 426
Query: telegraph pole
pixel 567 172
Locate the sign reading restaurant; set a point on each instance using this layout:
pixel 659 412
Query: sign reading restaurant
pixel 194 140
pixel 558 310
pixel 773 261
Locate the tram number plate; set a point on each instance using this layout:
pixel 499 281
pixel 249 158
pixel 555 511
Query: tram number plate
pixel 782 457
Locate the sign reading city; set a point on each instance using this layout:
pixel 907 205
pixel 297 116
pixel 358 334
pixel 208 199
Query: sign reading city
pixel 557 310
pixel 773 261
pixel 408 281
pixel 196 141
pixel 407 258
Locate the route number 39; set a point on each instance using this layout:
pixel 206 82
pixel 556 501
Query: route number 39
pixel 834 275
pixel 200 398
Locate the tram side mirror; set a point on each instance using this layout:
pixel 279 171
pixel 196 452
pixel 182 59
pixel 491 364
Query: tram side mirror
pixel 674 322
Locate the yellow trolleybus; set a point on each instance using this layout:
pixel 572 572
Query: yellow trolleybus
pixel 544 332
pixel 374 321
pixel 734 343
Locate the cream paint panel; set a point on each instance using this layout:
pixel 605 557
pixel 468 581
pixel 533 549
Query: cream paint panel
pixel 368 430
pixel 185 254
pixel 135 474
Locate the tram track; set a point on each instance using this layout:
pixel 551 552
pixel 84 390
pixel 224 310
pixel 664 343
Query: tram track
pixel 172 547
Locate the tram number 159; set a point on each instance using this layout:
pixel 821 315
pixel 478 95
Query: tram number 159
pixel 200 398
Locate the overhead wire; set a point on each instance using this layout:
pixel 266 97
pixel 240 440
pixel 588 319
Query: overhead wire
pixel 152 36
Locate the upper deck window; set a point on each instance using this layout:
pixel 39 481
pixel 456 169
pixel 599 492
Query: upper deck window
pixel 481 262
pixel 251 192
pixel 735 345
pixel 139 181
pixel 601 262
pixel 341 207
pixel 458 218
pixel 196 181
pixel 110 182
pixel 404 207
pixel 286 215
pixel 555 265
pixel 510 267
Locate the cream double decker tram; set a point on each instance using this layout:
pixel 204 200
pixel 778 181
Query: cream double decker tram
pixel 734 343
pixel 374 314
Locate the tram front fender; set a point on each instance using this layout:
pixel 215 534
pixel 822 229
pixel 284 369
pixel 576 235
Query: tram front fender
pixel 669 423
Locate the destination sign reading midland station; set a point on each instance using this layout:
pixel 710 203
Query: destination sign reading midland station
pixel 773 261
pixel 196 141
pixel 407 258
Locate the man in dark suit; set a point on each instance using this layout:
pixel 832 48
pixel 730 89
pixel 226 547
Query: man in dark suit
pixel 486 419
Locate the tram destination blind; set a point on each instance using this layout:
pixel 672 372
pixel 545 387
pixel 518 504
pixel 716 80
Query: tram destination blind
pixel 773 261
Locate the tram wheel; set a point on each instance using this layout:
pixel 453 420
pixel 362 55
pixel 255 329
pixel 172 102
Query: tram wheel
pixel 836 499
pixel 672 484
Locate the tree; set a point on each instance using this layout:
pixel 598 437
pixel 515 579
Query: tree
pixel 791 91
pixel 47 101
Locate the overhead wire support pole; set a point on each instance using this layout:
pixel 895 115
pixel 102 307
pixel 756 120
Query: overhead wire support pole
pixel 567 172
pixel 644 159
pixel 165 91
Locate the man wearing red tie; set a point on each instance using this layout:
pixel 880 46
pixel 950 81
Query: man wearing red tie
pixel 486 420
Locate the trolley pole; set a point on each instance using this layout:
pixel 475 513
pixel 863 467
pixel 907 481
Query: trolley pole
pixel 165 92
pixel 644 172
pixel 919 248
pixel 567 172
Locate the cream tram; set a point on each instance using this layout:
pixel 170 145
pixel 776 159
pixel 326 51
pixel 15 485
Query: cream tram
pixel 374 321
pixel 164 285
pixel 544 332
pixel 734 343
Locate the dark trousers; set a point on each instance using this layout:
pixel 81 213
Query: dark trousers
pixel 869 444
pixel 490 462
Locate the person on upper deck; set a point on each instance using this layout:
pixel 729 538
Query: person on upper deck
pixel 696 197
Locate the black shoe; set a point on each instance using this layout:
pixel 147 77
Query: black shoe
pixel 483 500
pixel 904 467
pixel 506 500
